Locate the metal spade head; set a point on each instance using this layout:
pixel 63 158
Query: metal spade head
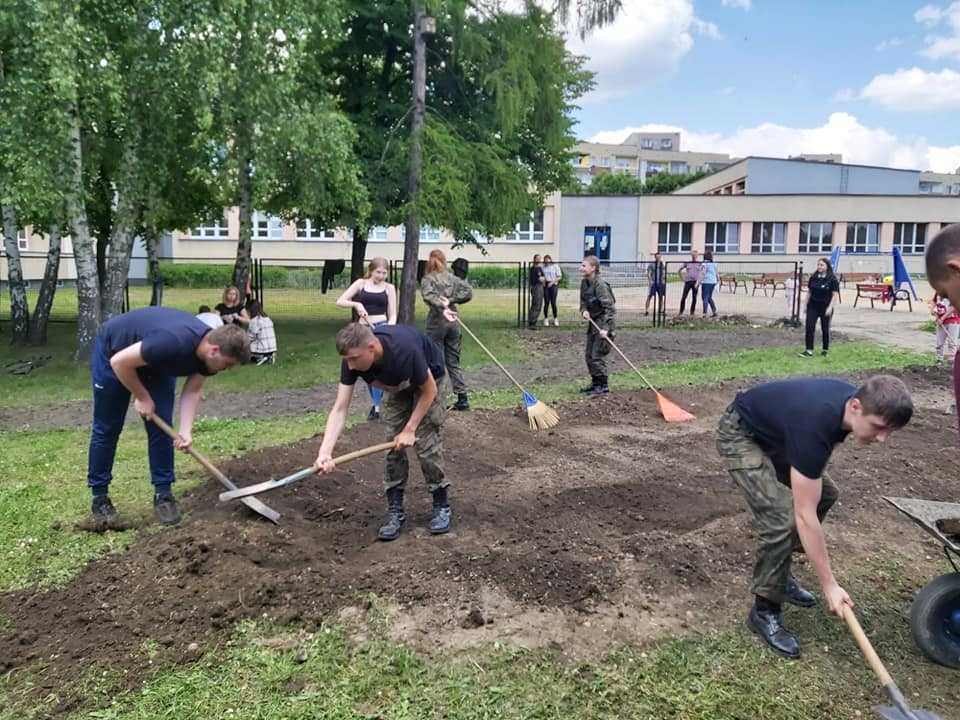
pixel 892 713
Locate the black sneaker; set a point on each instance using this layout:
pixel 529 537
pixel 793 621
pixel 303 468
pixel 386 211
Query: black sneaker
pixel 166 509
pixel 373 415
pixel 104 513
pixel 806 354
pixel 823 353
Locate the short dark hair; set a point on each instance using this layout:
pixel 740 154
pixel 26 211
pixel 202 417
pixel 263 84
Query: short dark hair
pixel 353 336
pixel 945 246
pixel 233 342
pixel 203 309
pixel 888 397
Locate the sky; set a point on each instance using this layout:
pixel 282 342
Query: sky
pixel 875 80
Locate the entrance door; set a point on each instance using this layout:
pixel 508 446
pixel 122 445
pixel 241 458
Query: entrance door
pixel 596 241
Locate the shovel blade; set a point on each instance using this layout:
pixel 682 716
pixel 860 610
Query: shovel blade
pixel 892 713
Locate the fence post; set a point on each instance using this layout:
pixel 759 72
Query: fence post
pixel 519 291
pixel 798 285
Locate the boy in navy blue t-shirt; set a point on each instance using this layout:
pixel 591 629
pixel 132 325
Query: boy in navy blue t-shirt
pixel 142 353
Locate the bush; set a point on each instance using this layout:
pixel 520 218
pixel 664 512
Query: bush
pixel 493 276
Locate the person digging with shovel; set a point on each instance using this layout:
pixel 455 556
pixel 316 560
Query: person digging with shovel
pixel 776 440
pixel 142 353
pixel 409 367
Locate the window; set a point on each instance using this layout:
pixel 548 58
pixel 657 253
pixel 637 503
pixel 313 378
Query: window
pixel 654 168
pixel 910 238
pixel 816 238
pixel 769 237
pixel 623 162
pixel 306 230
pixel 377 233
pixel 679 168
pixel 267 227
pixel 647 143
pixel 605 161
pixel 723 237
pixel 23 242
pixel 675 237
pixel 215 231
pixel 666 143
pixel 427 233
pixel 530 231
pixel 863 237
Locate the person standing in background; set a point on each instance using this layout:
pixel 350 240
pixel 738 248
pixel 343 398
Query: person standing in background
pixel 709 283
pixel 443 291
pixel 692 274
pixel 537 284
pixel 824 293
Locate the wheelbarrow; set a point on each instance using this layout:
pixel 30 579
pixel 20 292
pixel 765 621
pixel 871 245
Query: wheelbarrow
pixel 935 614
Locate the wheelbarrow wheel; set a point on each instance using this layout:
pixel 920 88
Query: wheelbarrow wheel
pixel 935 620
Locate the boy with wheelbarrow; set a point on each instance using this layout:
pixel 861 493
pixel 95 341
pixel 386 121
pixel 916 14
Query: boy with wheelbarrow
pixel 409 367
pixel 776 440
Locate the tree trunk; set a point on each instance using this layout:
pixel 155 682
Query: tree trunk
pixel 151 238
pixel 19 308
pixel 241 268
pixel 358 252
pixel 122 235
pixel 411 248
pixel 41 313
pixel 88 283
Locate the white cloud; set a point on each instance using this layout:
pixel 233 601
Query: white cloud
pixel 915 90
pixel 928 15
pixel 841 133
pixel 941 46
pixel 743 4
pixel 645 44
pixel 887 44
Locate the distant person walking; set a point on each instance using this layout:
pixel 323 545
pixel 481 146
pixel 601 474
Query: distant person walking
pixel 709 283
pixel 656 277
pixel 692 274
pixel 375 302
pixel 552 276
pixel 824 292
pixel 538 282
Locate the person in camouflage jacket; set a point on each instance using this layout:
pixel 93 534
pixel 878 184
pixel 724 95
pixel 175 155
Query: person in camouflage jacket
pixel 442 290
pixel 597 303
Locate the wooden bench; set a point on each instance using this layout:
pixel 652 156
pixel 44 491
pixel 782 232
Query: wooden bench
pixel 733 282
pixel 883 293
pixel 859 277
pixel 772 281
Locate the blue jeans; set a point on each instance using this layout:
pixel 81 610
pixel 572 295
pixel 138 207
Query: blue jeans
pixel 707 292
pixel 376 394
pixel 110 402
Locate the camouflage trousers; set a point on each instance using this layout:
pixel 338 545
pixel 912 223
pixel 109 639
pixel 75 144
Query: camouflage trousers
pixel 767 489
pixel 447 336
pixel 396 411
pixel 596 353
pixel 536 304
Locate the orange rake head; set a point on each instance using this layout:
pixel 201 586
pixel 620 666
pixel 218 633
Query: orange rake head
pixel 671 411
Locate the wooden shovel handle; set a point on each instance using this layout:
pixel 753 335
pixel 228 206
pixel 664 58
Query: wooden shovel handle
pixel 873 660
pixel 196 454
pixel 363 452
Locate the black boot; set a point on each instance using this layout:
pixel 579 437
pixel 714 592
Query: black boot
pixel 766 621
pixel 462 402
pixel 104 513
pixel 601 388
pixel 390 530
pixel 440 518
pixel 797 595
pixel 594 381
pixel 165 508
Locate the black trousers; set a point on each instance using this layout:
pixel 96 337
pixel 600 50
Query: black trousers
pixel 690 286
pixel 550 299
pixel 817 311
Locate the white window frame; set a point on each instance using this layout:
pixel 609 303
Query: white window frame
pixel 605 161
pixel 267 227
pixel 647 143
pixel 815 244
pixel 527 232
pixel 23 241
pixel 730 240
pixel 674 237
pixel 217 231
pixel 308 232
pixel 910 238
pixel 427 233
pixel 623 162
pixel 862 239
pixel 666 143
pixel 378 233
pixel 769 238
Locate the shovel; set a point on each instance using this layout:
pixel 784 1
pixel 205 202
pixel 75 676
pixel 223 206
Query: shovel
pixel 252 503
pixel 244 492
pixel 902 711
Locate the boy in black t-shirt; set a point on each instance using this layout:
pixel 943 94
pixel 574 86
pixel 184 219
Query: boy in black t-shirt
pixel 776 440
pixel 409 367
pixel 142 353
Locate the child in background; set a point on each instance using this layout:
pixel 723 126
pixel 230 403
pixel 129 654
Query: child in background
pixel 263 339
pixel 948 325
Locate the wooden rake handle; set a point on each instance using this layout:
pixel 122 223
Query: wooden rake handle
pixel 492 357
pixel 626 359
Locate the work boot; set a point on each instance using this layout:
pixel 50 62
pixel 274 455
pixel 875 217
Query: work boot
pixel 594 381
pixel 104 513
pixel 462 402
pixel 601 388
pixel 440 518
pixel 390 530
pixel 797 595
pixel 768 624
pixel 165 508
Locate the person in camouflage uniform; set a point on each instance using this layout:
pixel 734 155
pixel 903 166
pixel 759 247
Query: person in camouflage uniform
pixel 776 440
pixel 442 290
pixel 597 303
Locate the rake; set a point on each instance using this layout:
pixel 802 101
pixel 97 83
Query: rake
pixel 670 410
pixel 541 416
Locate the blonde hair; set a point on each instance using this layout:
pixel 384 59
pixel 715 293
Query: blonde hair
pixel 226 292
pixel 592 260
pixel 377 262
pixel 437 262
pixel 232 340
pixel 352 336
